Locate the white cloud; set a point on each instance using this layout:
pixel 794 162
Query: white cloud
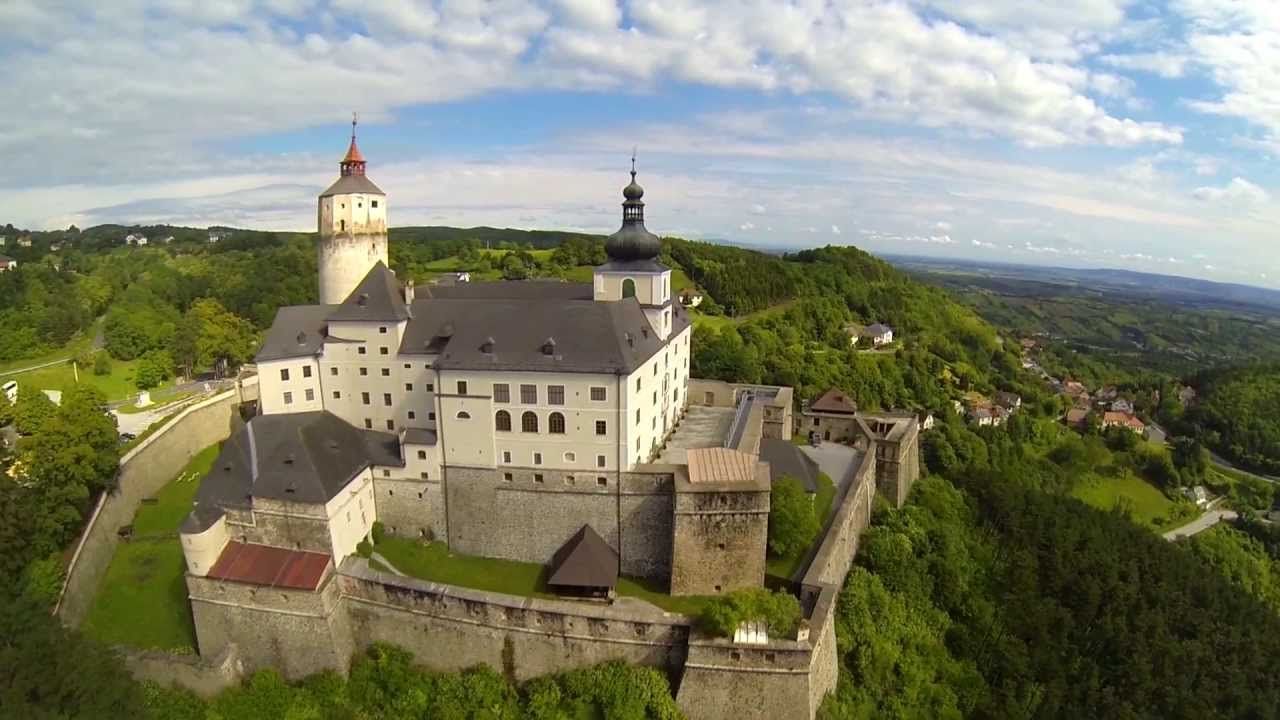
pixel 747 226
pixel 835 229
pixel 758 209
pixel 984 245
pixel 943 225
pixel 1238 190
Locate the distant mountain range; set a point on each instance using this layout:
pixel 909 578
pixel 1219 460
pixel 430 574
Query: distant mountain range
pixel 1167 287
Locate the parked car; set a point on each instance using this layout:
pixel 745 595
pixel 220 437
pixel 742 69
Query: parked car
pixel 126 437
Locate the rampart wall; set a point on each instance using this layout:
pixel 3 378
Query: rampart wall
pixel 143 471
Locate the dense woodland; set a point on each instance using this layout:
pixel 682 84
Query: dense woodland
pixel 992 594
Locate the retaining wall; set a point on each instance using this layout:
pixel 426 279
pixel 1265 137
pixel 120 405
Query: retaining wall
pixel 204 676
pixel 143 471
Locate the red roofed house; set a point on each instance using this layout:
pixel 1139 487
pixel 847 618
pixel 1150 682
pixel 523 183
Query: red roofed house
pixel 1112 418
pixel 830 417
pixel 7 263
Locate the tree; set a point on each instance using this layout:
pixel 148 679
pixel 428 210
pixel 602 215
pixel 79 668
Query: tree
pixel 211 336
pixel 792 521
pixel 6 410
pixel 32 410
pixel 1191 459
pixel 154 367
pixel 779 611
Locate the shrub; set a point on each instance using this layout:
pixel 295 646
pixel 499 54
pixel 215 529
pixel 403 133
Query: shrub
pixel 792 521
pixel 101 363
pixel 364 549
pixel 378 532
pixel 42 580
pixel 779 611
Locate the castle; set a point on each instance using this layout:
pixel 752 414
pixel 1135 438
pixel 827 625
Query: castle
pixel 538 421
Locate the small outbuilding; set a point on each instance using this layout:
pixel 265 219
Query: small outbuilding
pixel 585 566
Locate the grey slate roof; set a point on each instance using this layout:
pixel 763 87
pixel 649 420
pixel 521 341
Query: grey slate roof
pixel 297 331
pixel 785 458
pixel 634 266
pixel 419 436
pixel 299 457
pixel 585 560
pixel 377 298
pixel 352 184
pixel 510 290
pixel 876 330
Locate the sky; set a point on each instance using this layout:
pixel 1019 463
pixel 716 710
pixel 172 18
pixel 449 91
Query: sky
pixel 1116 133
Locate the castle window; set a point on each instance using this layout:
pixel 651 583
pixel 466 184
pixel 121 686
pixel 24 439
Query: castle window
pixel 431 387
pixel 407 366
pixel 425 476
pixel 570 457
pixel 537 477
pixel 537 458
pixel 422 454
pixel 368 423
pixel 529 422
pixel 386 399
pixel 568 480
pixel 384 350
pixel 382 329
pixel 306 371
pixel 364 398
pixel 288 398
pixel 386 372
pixel 555 423
pixel 386 473
pixel 431 416
pixel 598 394
pixel 637 416
pixel 502 421
pixel 464 415
pixel 337 395
pixel 413 415
pixel 506 456
pixel 602 481
pixel 462 387
pixel 333 371
pixel 373 203
pixel 602 427
pixel 628 288
pixel 311 394
pixel 507 477
pixel 391 425
pixel 501 393
pixel 555 394
pixel 364 372
pixel 600 460
pixel 342 224
pixel 284 374
pixel 361 350
pixel 529 394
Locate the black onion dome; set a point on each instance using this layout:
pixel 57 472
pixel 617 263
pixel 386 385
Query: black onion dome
pixel 633 241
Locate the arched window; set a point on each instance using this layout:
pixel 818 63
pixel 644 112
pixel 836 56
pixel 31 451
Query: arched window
pixel 342 226
pixel 555 423
pixel 464 415
pixel 628 288
pixel 529 422
pixel 502 421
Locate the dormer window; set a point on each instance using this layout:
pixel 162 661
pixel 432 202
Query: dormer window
pixel 486 347
pixel 549 347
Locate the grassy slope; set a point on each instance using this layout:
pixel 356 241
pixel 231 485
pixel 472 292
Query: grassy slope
pixel 142 601
pixel 1103 493
pixel 433 561
pixel 117 385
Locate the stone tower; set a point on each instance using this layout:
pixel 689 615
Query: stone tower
pixel 352 223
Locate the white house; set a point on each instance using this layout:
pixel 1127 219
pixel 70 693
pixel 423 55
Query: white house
pixel 7 263
pixel 135 239
pixel 879 334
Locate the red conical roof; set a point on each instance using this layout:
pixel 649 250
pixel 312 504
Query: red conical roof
pixel 353 153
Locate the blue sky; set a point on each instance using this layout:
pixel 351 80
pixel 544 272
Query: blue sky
pixel 1119 133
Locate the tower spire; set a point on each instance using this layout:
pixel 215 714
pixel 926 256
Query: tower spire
pixel 353 163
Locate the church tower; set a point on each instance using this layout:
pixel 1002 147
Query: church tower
pixel 352 226
pixel 633 269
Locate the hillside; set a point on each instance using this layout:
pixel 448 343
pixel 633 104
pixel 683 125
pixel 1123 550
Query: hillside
pixel 1237 414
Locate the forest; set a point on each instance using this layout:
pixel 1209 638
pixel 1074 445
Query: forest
pixel 1237 413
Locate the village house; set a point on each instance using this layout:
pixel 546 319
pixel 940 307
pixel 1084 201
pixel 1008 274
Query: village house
pixel 926 421
pixel 1009 401
pixel 1125 420
pixel 1122 406
pixel 982 416
pixel 831 417
pixel 215 237
pixel 7 263
pixel 689 298
pixel 135 239
pixel 1197 494
pixel 879 334
pixel 24 241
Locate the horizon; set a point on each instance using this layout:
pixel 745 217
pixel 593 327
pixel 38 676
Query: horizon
pixel 1095 133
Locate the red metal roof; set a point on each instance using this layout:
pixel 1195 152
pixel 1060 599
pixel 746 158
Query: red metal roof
pixel 270 566
pixel 353 153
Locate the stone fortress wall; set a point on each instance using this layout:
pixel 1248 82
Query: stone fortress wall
pixel 452 628
pixel 143 471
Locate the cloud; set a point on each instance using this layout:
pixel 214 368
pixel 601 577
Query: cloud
pixel 1162 63
pixel 983 245
pixel 1239 191
pixel 943 225
pixel 757 209
pixel 835 229
pixel 747 226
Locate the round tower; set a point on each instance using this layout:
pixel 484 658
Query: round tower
pixel 352 226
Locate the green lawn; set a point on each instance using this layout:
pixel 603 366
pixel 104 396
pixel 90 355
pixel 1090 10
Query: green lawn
pixel 117 385
pixel 715 322
pixel 142 601
pixel 823 507
pixel 434 562
pixel 1148 502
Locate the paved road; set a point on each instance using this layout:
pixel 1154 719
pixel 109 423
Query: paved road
pixel 1200 524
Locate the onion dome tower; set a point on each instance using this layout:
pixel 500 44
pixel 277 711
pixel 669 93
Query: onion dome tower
pixel 633 269
pixel 352 224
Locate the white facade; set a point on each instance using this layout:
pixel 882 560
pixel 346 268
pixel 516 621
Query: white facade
pixel 351 515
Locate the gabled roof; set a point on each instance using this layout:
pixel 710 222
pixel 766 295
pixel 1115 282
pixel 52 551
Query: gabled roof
pixel 270 566
pixel 298 457
pixel 785 459
pixel 585 560
pixel 876 330
pixel 719 465
pixel 377 298
pixel 834 401
pixel 297 331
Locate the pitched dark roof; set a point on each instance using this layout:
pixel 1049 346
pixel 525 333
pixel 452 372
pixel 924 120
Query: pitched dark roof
pixel 298 457
pixel 586 560
pixel 876 330
pixel 785 458
pixel 419 436
pixel 834 401
pixel 352 184
pixel 297 331
pixel 510 290
pixel 376 298
pixel 588 336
